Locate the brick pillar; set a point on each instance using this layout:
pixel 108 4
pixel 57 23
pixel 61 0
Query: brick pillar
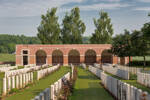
pixel 98 59
pixel 18 60
pixel 115 60
pixel 65 60
pixel 32 59
pixel 49 60
pixel 82 58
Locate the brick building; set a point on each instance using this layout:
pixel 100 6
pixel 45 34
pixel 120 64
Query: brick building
pixel 65 54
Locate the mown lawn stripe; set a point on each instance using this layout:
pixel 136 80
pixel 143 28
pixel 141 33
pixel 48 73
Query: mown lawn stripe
pixel 87 87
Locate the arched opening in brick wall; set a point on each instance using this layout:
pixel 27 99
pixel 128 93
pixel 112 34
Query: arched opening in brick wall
pixel 74 57
pixel 57 57
pixel 41 57
pixel 90 57
pixel 106 57
pixel 122 61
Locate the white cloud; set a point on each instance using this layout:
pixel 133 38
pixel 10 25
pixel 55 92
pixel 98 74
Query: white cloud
pixel 144 1
pixel 107 0
pixel 30 8
pixel 143 9
pixel 103 6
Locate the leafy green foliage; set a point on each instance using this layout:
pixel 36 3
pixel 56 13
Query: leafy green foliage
pixel 121 45
pixel 8 42
pixel 49 30
pixel 104 31
pixel 72 28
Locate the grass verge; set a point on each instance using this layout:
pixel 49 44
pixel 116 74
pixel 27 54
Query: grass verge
pixel 87 87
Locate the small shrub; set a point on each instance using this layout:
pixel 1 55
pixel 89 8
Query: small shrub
pixel 13 91
pixel 20 67
pixel 133 76
pixel 68 86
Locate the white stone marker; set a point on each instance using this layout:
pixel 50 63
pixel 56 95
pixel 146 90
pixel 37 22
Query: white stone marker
pixel 9 83
pixel 52 92
pixel 139 94
pixel 128 92
pixel 29 77
pixel 72 71
pixel 24 80
pixel 13 82
pixel 37 98
pixel 17 81
pixel 42 96
pixel 32 77
pixel 4 86
pixel 20 77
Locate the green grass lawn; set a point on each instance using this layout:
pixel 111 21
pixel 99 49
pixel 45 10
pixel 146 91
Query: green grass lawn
pixel 39 86
pixel 138 58
pixel 87 87
pixel 7 57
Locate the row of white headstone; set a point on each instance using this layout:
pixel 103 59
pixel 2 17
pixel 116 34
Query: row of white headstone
pixel 52 92
pixel 97 65
pixel 132 70
pixel 6 68
pixel 116 71
pixel 119 89
pixel 23 70
pixel 18 82
pixel 95 71
pixel 5 65
pixel 83 66
pixel 143 78
pixel 42 73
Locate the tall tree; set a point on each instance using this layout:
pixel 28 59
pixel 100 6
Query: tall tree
pixel 49 29
pixel 122 45
pixel 104 30
pixel 73 28
pixel 139 45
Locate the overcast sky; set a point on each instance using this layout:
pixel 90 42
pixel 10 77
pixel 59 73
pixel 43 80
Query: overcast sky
pixel 23 16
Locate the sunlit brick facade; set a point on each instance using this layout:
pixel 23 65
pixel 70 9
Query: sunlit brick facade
pixel 65 54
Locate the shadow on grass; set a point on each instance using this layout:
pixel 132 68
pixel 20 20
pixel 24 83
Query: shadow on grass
pixel 37 91
pixel 86 77
pixel 94 92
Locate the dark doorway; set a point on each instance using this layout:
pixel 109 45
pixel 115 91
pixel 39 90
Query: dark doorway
pixel 106 57
pixel 40 57
pixel 74 57
pixel 90 57
pixel 25 60
pixel 57 57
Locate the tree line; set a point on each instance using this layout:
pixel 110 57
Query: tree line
pixel 135 43
pixel 73 28
pixel 8 42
